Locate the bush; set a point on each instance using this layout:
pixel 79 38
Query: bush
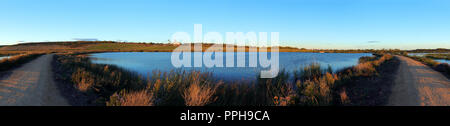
pixel 199 95
pixel 83 80
pixel 366 59
pixel 444 68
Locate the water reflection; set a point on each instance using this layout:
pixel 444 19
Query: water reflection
pixel 146 62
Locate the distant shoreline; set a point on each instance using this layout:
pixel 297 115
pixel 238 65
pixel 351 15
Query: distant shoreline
pixel 111 46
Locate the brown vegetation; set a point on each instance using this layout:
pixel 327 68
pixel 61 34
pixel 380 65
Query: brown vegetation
pixel 133 98
pixel 445 56
pixel 199 95
pixel 368 83
pixel 96 82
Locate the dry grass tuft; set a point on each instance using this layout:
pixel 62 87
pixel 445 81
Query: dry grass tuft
pixel 136 98
pixel 83 80
pixel 198 94
pixel 344 97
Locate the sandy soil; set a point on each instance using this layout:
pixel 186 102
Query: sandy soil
pixel 32 84
pixel 418 85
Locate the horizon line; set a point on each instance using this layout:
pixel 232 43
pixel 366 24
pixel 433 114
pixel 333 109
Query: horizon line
pixel 287 46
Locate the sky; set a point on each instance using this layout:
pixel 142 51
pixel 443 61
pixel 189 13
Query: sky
pixel 325 24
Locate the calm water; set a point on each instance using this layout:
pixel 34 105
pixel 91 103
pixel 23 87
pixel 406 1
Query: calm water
pixel 2 57
pixel 423 54
pixel 417 54
pixel 145 62
pixel 443 61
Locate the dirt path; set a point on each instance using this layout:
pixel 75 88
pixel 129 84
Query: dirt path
pixel 31 84
pixel 418 85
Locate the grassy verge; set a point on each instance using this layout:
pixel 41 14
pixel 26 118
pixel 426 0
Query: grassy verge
pixel 16 61
pixel 90 84
pixel 368 83
pixel 95 84
pixel 438 56
pixel 11 53
pixel 444 68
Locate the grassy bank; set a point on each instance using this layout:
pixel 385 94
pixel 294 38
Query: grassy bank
pixel 95 84
pixel 16 61
pixel 438 56
pixel 90 84
pixel 444 68
pixel 367 84
pixel 11 53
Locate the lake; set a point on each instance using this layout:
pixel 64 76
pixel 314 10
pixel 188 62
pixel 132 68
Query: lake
pixel 442 61
pixel 2 57
pixel 146 62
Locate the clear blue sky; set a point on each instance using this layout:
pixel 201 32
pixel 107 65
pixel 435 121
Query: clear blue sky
pixel 404 24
